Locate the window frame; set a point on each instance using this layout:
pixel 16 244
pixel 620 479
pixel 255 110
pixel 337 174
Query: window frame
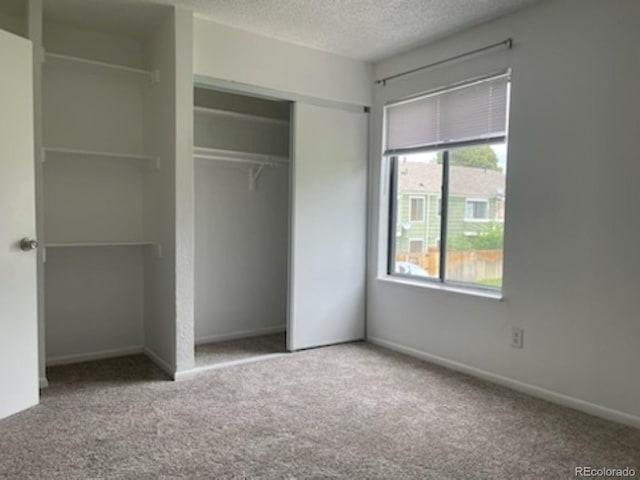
pixel 440 279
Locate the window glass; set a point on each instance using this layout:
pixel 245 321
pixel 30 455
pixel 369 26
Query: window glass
pixel 416 209
pixel 477 210
pixel 417 183
pixel 477 181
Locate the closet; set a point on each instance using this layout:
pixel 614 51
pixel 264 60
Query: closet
pixel 175 220
pixel 101 174
pixel 241 154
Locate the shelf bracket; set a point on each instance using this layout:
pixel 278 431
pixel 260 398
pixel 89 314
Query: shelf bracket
pixel 254 173
pixel 155 76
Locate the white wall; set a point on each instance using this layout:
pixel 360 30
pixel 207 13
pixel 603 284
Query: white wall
pixel 571 262
pixel 236 133
pixel 159 202
pixel 94 302
pixel 241 251
pixel 184 226
pixel 227 53
pixel 168 326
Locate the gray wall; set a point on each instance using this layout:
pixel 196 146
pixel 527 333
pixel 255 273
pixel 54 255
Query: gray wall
pixel 571 262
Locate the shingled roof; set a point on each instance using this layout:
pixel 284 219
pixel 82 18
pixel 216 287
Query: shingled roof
pixel 426 177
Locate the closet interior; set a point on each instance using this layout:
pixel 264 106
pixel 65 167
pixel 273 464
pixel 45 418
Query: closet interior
pixel 13 17
pixel 241 154
pixel 102 163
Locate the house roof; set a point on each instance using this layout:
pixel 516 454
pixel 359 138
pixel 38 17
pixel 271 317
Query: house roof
pixel 463 181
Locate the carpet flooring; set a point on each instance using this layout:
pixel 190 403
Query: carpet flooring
pixel 222 352
pixel 351 411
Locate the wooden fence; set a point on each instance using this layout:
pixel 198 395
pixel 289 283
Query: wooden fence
pixel 467 266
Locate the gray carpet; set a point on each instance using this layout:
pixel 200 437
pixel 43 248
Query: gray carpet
pixel 350 411
pixel 221 352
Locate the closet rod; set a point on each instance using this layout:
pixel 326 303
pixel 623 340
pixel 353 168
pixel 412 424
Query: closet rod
pixel 222 158
pixel 508 43
pixel 236 156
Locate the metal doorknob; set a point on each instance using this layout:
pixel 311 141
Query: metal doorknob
pixel 28 244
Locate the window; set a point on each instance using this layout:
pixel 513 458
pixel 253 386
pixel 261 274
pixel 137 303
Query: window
pixel 448 157
pixel 416 209
pixel 416 246
pixel 476 210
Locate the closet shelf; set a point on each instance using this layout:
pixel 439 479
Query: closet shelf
pixel 96 244
pixel 154 161
pixel 153 75
pixel 214 112
pixel 255 161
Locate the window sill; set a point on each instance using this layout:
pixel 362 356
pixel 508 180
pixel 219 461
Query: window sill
pixel 474 292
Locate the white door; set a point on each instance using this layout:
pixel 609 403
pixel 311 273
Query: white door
pixel 18 301
pixel 328 227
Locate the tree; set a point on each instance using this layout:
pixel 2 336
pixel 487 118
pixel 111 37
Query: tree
pixel 490 239
pixel 481 156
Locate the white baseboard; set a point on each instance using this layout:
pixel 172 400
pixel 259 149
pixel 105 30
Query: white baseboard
pixel 86 357
pixel 543 393
pixel 160 363
pixel 186 374
pixel 240 334
pixel 44 383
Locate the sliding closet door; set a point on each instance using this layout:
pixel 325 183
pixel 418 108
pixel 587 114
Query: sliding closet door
pixel 328 230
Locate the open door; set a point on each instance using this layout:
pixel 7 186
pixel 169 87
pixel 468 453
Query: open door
pixel 18 299
pixel 328 226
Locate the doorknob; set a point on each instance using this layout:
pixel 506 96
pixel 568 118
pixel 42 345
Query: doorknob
pixel 28 244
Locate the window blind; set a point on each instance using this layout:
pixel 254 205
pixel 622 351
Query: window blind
pixel 470 112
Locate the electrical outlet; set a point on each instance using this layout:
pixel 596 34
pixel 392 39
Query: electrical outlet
pixel 517 337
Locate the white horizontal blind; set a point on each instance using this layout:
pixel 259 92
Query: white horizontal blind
pixel 471 112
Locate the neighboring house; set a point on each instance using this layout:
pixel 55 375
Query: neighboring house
pixel 476 203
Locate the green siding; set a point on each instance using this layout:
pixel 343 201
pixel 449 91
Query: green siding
pixel 456 227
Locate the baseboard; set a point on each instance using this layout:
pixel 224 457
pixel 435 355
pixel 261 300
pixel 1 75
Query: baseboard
pixel 44 383
pixel 240 334
pixel 160 363
pixel 87 357
pixel 186 374
pixel 539 392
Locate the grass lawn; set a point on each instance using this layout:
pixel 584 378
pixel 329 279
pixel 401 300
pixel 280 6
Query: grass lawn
pixel 491 282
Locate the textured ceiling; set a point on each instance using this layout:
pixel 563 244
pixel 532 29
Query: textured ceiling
pixel 361 29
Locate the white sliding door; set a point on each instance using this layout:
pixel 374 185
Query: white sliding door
pixel 328 231
pixel 18 300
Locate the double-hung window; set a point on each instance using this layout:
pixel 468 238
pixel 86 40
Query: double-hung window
pixel 447 153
